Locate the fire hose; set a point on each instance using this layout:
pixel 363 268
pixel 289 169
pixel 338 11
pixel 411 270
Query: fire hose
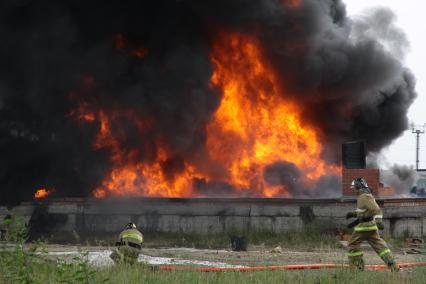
pixel 283 267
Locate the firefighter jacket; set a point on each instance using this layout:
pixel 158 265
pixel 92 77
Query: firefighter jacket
pixel 132 236
pixel 368 212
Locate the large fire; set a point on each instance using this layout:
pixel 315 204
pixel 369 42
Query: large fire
pixel 130 177
pixel 256 125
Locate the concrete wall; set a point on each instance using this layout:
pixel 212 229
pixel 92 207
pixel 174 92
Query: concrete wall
pixel 84 218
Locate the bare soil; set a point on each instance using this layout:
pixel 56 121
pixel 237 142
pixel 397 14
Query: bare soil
pixel 258 255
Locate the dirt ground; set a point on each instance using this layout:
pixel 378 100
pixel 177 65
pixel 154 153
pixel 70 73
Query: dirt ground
pixel 264 256
pixel 255 256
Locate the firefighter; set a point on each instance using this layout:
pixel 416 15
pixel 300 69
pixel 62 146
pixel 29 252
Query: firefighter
pixel 128 245
pixel 369 221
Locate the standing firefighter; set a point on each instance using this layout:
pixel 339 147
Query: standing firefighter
pixel 129 245
pixel 369 221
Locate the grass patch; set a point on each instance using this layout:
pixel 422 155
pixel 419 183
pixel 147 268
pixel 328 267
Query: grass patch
pixel 23 264
pixel 314 235
pixel 143 274
pixel 135 275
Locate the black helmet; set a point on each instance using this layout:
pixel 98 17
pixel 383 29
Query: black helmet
pixel 130 226
pixel 359 182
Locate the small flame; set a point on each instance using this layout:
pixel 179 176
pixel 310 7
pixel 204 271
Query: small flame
pixel 121 43
pixel 83 114
pixel 89 117
pixel 293 3
pixel 99 193
pixel 42 193
pixel 139 52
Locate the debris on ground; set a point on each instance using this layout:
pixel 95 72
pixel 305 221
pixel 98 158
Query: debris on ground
pixel 414 251
pixel 413 242
pixel 277 249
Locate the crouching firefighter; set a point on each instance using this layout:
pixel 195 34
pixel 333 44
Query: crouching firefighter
pixel 128 245
pixel 369 221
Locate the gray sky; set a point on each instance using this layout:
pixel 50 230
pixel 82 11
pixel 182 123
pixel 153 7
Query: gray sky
pixel 410 18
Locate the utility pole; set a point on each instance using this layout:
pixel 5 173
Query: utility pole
pixel 418 129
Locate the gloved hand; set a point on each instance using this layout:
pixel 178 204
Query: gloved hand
pixel 380 226
pixel 353 224
pixel 350 215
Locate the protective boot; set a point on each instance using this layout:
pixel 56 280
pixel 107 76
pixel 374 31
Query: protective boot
pixel 390 262
pixel 394 267
pixel 356 262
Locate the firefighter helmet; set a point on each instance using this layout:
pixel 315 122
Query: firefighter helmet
pixel 130 226
pixel 358 183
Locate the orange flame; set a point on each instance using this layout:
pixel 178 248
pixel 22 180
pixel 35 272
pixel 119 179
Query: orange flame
pixel 145 180
pixel 138 178
pixel 83 114
pixel 139 52
pixel 254 126
pixel 42 193
pixel 121 43
pixel 293 3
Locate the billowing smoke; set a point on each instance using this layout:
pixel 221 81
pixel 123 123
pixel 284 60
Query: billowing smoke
pixel 378 24
pixel 153 58
pixel 282 174
pixel 401 178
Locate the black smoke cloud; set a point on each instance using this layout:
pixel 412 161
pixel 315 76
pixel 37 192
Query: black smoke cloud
pixel 282 174
pixel 350 85
pixel 401 178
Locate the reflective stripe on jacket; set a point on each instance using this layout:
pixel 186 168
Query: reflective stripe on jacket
pixel 132 236
pixel 367 207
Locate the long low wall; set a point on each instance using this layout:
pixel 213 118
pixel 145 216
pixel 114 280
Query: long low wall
pixel 85 218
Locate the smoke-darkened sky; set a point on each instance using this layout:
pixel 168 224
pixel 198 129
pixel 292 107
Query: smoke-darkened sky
pixel 56 55
pixel 406 19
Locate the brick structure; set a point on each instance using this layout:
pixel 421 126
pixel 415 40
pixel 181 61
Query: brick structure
pixel 386 190
pixel 372 176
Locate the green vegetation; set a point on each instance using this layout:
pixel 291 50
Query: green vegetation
pixel 29 263
pixel 314 235
pixel 143 274
pixel 135 275
pixel 322 276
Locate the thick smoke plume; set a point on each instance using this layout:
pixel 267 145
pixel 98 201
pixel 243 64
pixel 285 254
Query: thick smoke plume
pixel 401 178
pixel 153 58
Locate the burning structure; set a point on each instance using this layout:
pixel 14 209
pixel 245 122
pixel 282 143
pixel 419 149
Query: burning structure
pixel 191 98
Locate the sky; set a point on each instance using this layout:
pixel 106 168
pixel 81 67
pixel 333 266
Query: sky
pixel 410 18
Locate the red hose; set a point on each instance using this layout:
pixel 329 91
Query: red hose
pixel 407 264
pixel 282 267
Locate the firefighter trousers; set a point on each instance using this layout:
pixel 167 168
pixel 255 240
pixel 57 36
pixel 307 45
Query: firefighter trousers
pixel 355 253
pixel 125 254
